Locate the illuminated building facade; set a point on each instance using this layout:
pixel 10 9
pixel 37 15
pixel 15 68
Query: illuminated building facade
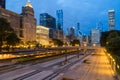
pixel 28 23
pixel 42 35
pixel 111 19
pixel 23 24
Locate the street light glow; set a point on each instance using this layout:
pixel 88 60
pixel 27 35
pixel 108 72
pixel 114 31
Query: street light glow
pixel 118 66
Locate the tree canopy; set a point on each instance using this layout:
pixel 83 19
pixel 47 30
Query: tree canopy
pixel 111 40
pixel 7 34
pixel 113 46
pixel 106 36
pixel 57 42
pixel 75 42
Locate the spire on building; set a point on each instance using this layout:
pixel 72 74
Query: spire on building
pixel 28 4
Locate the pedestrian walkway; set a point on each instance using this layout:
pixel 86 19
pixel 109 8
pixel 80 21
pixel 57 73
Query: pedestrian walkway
pixel 96 67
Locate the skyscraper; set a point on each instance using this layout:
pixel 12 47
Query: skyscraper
pixel 47 21
pixel 78 29
pixel 2 3
pixel 95 36
pixel 59 14
pixel 111 19
pixel 28 22
pixel 72 33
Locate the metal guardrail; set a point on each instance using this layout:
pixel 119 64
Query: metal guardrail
pixel 115 64
pixel 117 60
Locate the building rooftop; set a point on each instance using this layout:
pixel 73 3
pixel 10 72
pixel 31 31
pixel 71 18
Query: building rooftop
pixel 28 4
pixel 111 10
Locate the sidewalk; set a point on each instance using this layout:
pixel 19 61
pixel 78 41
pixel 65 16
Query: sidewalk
pixel 96 67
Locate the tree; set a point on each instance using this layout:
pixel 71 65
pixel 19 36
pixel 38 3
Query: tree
pixel 111 40
pixel 7 34
pixel 113 46
pixel 103 39
pixel 106 36
pixel 75 42
pixel 112 34
pixel 12 39
pixel 57 42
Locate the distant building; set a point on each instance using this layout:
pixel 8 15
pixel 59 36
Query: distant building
pixel 42 35
pixel 111 19
pixel 60 35
pixel 2 3
pixel 78 29
pixel 28 23
pixel 72 33
pixel 59 14
pixel 85 40
pixel 47 21
pixel 23 24
pixel 95 36
pixel 52 33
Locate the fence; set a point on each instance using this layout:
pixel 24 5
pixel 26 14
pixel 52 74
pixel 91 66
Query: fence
pixel 115 64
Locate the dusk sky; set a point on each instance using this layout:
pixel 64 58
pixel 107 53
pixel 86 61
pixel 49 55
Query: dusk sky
pixel 87 12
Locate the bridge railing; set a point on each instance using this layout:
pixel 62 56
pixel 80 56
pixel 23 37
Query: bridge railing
pixel 117 60
pixel 115 64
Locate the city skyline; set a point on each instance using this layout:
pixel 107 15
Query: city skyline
pixel 74 12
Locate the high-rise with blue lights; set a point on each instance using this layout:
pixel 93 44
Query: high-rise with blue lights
pixel 59 14
pixel 47 21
